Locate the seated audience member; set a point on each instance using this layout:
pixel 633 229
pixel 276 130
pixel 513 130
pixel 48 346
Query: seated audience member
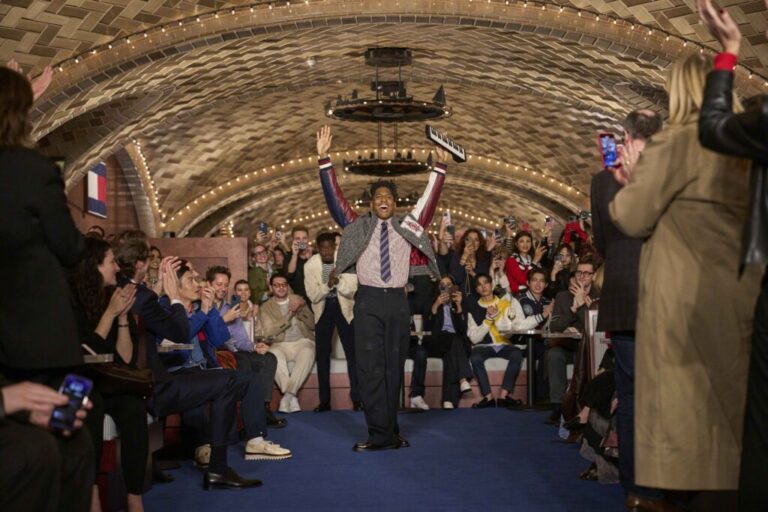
pixel 295 260
pixel 560 273
pixel 286 318
pixel 259 272
pixel 250 357
pixel 447 322
pixel 487 319
pixel 537 309
pixel 469 259
pixel 569 314
pixel 106 326
pixel 526 256
pixel 206 325
pixel 500 255
pixel 333 301
pixel 184 390
pixel 152 278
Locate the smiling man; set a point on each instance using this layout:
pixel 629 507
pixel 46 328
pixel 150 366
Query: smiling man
pixel 383 249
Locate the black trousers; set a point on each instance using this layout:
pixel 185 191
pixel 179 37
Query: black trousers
pixel 331 318
pixel 753 490
pixel 40 471
pixel 130 415
pixel 450 347
pixel 265 365
pixel 382 323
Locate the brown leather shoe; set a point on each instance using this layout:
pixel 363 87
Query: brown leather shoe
pixel 638 504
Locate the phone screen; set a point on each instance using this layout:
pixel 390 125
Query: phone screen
pixel 235 300
pixel 447 217
pixel 451 229
pixel 77 388
pixel 549 222
pixel 608 149
pixel 263 227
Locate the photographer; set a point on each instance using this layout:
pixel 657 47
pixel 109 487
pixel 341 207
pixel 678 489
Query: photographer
pixel 468 260
pixel 297 258
pixel 527 255
pixel 561 271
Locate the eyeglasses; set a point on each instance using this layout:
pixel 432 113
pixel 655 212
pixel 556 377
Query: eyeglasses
pixel 584 273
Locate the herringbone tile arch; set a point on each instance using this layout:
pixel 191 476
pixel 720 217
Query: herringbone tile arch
pixel 217 103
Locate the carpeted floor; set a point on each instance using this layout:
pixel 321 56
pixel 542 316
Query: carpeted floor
pixel 461 460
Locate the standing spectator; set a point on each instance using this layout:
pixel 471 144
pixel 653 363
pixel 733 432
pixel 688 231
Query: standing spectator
pixel 259 272
pixel 690 203
pixel 560 273
pixel 39 239
pixel 152 279
pixel 499 258
pixel 278 260
pixel 105 325
pixel 333 301
pixel 297 258
pixel 618 313
pixel 527 255
pixel 468 260
pixel 287 319
pixel 569 313
pixel 250 356
pixel 744 135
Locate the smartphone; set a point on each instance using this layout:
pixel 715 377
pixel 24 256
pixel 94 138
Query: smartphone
pixel 608 149
pixel 263 227
pixel 549 222
pixel 510 221
pixel 235 301
pixel 451 229
pixel 279 234
pixel 484 233
pixel 447 217
pixel 77 388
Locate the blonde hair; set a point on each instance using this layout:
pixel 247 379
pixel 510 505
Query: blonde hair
pixel 685 86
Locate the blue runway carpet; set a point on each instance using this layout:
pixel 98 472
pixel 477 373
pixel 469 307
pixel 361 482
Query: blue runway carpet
pixel 461 460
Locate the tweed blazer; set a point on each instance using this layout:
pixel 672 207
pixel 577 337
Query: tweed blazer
pixel 357 236
pixel 272 322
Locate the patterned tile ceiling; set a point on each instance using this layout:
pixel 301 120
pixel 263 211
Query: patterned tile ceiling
pixel 215 90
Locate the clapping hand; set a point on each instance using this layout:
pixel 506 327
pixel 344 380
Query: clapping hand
pixel 333 281
pixel 122 300
pixel 170 281
pixel 39 84
pixel 721 26
pixel 492 311
pixel 579 295
pixel 324 139
pixel 207 295
pixel 548 310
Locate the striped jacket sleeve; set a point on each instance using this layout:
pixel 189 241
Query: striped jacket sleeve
pixel 338 206
pixel 425 208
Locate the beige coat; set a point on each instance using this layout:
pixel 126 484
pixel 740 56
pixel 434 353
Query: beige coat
pixel 317 290
pixel 695 312
pixel 273 323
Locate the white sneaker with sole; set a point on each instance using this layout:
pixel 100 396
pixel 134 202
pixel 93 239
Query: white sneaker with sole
pixel 203 456
pixel 465 386
pixel 265 450
pixel 418 402
pixel 293 405
pixel 285 404
pixel 447 405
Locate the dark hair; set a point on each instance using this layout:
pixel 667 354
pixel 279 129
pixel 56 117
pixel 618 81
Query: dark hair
pixel 85 279
pixel 132 234
pixel 183 268
pixel 275 276
pixel 211 273
pixel 482 274
pixel 482 251
pixel 299 227
pixel 155 248
pixel 537 271
pixel 335 234
pixel 128 252
pixel 520 235
pixel 242 281
pixel 388 184
pixel 92 231
pixel 325 237
pixel 642 124
pixel 16 100
pixel 589 261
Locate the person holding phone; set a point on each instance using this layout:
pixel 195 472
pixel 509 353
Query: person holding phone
pixel 527 255
pixel 561 271
pixel 301 251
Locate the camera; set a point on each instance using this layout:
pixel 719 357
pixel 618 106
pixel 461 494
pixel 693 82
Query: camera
pixel 302 245
pixel 510 221
pixel 584 215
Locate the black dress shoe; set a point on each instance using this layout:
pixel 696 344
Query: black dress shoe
pixel 402 442
pixel 485 403
pixel 368 446
pixel 228 479
pixel 272 420
pixel 322 407
pixel 358 406
pixel 509 402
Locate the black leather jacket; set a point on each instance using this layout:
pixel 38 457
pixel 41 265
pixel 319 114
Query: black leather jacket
pixel 744 135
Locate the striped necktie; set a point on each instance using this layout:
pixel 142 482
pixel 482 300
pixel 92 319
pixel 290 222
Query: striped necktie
pixel 386 273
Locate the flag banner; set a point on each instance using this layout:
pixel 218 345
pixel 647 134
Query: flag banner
pixel 97 190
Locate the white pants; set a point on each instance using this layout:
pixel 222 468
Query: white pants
pixel 302 354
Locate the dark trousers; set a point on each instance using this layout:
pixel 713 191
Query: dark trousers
pixel 511 353
pixel 753 480
pixel 129 413
pixel 330 319
pixel 382 321
pixel 40 471
pixel 623 344
pixel 450 348
pixel 265 365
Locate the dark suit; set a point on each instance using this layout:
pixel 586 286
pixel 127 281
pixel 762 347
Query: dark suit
pixel 38 239
pixel 746 135
pixel 618 315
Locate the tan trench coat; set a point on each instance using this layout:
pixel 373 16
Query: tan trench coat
pixel 695 313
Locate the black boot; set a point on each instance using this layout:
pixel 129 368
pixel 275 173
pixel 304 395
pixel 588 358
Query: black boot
pixel 272 420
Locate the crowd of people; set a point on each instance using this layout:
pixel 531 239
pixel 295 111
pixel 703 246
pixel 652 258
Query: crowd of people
pixel 664 414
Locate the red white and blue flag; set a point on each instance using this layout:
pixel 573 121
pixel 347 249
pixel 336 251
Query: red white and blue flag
pixel 97 190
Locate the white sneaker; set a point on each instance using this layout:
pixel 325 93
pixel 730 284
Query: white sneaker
pixel 447 405
pixel 293 405
pixel 419 403
pixel 285 404
pixel 203 456
pixel 265 450
pixel 465 386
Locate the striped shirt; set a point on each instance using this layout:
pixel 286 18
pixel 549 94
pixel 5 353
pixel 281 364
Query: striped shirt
pixel 369 264
pixel 327 267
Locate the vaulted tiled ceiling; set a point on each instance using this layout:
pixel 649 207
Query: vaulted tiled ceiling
pixel 217 93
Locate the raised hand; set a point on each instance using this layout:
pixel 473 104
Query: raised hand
pixel 443 156
pixel 539 252
pixel 122 298
pixel 324 139
pixel 231 315
pixel 207 294
pixel 39 84
pixel 721 26
pixel 170 280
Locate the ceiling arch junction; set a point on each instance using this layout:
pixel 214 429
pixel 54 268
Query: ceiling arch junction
pixel 204 94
